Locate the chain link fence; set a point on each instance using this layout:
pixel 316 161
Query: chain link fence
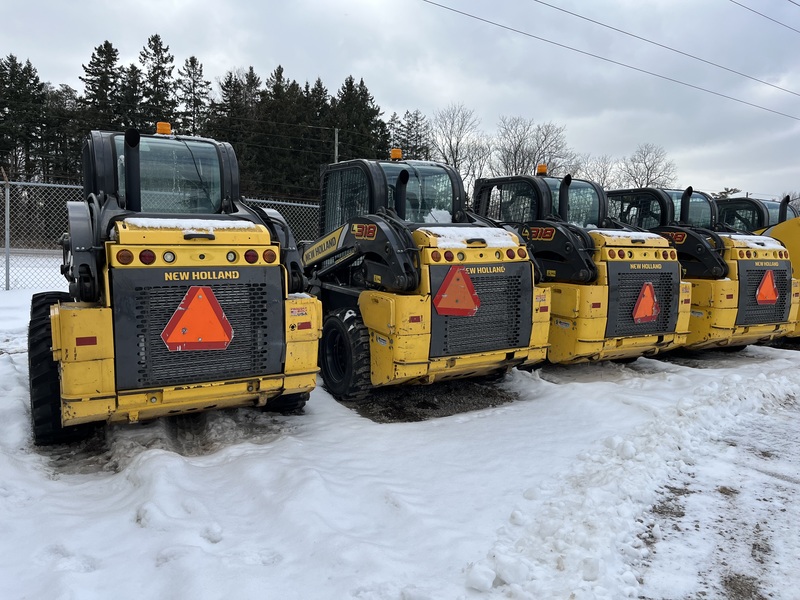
pixel 34 216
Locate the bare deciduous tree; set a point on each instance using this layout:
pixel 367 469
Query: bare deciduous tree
pixel 457 140
pixel 603 170
pixel 514 147
pixel 521 144
pixel 452 131
pixel 478 157
pixel 648 166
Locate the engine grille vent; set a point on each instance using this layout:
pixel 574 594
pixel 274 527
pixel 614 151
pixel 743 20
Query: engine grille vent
pixel 503 319
pixel 144 304
pixel 750 311
pixel 628 287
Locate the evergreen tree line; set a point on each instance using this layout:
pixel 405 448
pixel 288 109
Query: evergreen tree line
pixel 282 131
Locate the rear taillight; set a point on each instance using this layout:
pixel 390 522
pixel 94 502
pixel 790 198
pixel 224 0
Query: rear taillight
pixel 251 256
pixel 124 257
pixel 148 257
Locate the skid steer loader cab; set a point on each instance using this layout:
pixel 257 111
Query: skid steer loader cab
pixel 181 298
pixel 771 218
pixel 742 286
pixel 616 291
pixel 416 289
pixel 754 214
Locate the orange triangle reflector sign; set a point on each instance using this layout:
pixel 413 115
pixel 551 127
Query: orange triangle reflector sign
pixel 198 324
pixel 767 292
pixel 647 308
pixel 457 296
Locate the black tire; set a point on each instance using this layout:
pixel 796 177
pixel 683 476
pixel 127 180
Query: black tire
pixel 288 403
pixel 344 356
pixel 43 377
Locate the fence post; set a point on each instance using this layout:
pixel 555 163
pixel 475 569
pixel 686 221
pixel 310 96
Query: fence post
pixel 7 229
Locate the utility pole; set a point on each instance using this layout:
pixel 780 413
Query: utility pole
pixel 335 144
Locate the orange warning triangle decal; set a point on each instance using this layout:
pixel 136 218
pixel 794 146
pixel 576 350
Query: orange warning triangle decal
pixel 456 296
pixel 198 324
pixel 767 292
pixel 647 308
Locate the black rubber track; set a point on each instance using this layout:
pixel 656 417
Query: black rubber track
pixel 43 377
pixel 344 356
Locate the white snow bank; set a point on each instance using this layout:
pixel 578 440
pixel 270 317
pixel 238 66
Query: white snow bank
pixel 545 497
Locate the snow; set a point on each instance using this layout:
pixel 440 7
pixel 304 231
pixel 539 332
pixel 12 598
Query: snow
pixel 621 233
pixel 655 479
pixel 188 225
pixel 438 215
pixel 456 237
pixel 759 242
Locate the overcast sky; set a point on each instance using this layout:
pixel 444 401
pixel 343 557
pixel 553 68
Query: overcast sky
pixel 415 55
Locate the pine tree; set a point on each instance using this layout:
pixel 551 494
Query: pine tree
pixel 414 134
pixel 362 134
pixel 158 85
pixel 21 117
pixel 101 86
pixel 193 97
pixel 65 126
pixel 393 126
pixel 129 101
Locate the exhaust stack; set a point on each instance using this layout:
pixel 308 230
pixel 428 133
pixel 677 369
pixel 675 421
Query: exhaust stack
pixel 133 183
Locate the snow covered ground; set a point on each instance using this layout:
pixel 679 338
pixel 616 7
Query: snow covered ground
pixel 656 479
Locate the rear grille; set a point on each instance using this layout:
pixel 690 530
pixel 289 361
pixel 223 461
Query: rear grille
pixel 750 311
pixel 624 291
pixel 503 319
pixel 253 309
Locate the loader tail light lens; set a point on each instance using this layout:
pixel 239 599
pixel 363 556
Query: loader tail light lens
pixel 665 255
pixel 269 256
pixel 231 256
pixel 148 257
pixel 672 254
pixel 436 256
pixel 510 253
pixel 251 256
pixel 612 253
pixel 522 253
pixel 125 257
pixel 448 256
pixel 169 257
pixel 748 254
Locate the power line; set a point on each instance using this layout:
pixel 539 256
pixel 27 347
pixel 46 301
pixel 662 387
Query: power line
pixel 609 60
pixel 765 16
pixel 643 39
pixel 793 2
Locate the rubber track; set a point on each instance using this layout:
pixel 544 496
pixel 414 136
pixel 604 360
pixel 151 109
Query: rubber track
pixel 45 388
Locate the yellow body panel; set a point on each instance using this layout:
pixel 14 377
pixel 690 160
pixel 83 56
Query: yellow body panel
pixel 83 334
pixel 87 373
pixel 400 347
pixel 302 342
pixel 788 233
pixel 580 311
pixel 715 306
